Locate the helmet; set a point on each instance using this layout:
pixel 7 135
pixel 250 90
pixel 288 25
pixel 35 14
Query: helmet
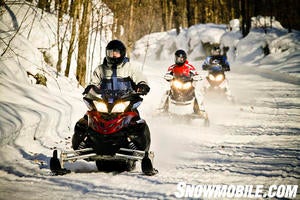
pixel 115 52
pixel 180 57
pixel 216 51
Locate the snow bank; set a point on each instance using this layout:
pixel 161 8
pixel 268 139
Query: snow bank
pixel 159 46
pixel 22 101
pixel 266 41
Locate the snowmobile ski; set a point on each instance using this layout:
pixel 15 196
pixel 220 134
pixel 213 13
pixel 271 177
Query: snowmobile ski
pixel 147 166
pixel 57 165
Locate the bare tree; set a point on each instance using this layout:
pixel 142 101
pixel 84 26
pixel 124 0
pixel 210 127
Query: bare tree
pixel 83 42
pixel 74 12
pixel 17 28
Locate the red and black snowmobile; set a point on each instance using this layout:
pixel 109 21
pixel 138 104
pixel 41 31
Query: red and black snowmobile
pixel 115 136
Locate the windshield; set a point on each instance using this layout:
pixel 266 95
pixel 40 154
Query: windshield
pixel 115 88
pixel 215 68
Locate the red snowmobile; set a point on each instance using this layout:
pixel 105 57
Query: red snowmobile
pixel 116 137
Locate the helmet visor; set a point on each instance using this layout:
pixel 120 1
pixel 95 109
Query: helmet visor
pixel 113 53
pixel 179 59
pixel 216 51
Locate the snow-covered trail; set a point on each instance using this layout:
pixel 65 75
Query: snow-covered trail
pixel 255 141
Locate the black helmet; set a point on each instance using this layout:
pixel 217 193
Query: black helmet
pixel 115 46
pixel 180 57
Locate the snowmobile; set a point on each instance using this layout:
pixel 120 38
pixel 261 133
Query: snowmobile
pixel 116 137
pixel 181 98
pixel 217 82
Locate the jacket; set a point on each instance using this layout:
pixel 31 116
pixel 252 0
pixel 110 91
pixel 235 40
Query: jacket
pixel 123 70
pixel 212 60
pixel 186 69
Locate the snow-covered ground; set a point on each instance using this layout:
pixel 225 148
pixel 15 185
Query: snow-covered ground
pixel 252 142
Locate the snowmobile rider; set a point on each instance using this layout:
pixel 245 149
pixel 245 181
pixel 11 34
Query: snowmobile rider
pixel 115 66
pixel 216 58
pixel 182 67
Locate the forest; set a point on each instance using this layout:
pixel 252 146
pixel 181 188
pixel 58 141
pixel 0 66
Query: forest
pixel 139 17
pixel 132 19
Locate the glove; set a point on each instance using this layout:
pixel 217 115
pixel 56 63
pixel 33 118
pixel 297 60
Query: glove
pixel 204 67
pixel 89 87
pixel 226 68
pixel 142 88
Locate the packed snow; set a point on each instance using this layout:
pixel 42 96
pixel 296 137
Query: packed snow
pixel 254 141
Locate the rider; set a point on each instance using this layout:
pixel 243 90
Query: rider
pixel 216 58
pixel 115 66
pixel 182 67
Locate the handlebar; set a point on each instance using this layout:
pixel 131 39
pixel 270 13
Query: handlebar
pixel 170 77
pixel 107 94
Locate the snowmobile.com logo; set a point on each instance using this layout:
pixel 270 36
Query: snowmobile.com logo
pixel 235 191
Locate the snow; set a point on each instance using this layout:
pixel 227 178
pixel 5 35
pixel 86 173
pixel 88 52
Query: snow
pixel 254 141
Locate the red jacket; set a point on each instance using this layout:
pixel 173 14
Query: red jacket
pixel 186 69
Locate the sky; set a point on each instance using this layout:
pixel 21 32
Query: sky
pixel 254 141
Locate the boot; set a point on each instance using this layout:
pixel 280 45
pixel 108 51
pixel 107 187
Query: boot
pixel 80 136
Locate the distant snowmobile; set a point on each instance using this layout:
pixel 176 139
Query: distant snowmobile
pixel 217 83
pixel 116 135
pixel 181 98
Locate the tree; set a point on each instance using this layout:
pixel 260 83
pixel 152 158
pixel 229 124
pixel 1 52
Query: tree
pixel 177 16
pixel 134 19
pixel 61 38
pixel 74 13
pixel 83 42
pixel 192 13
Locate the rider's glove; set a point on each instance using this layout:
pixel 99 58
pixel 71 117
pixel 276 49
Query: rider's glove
pixel 142 88
pixel 204 67
pixel 89 87
pixel 226 68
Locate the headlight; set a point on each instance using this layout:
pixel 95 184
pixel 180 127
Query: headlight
pixel 186 85
pixel 220 77
pixel 211 77
pixel 101 106
pixel 179 85
pixel 120 107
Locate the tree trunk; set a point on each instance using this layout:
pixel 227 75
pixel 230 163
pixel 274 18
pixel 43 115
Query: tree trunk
pixel 83 42
pixel 58 36
pixel 170 15
pixel 176 17
pixel 75 4
pixel 243 16
pixel 164 14
pixel 131 27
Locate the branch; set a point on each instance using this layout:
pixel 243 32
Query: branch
pixel 11 39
